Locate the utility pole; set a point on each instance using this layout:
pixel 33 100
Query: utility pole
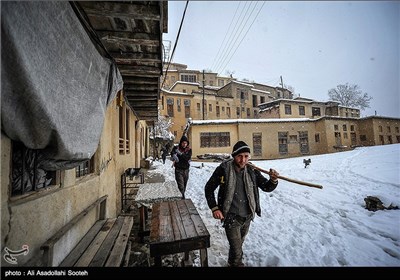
pixel 203 95
pixel 283 94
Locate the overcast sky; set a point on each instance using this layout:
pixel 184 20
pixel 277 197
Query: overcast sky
pixel 314 45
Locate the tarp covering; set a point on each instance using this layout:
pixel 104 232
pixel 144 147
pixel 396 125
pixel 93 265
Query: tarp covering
pixel 55 85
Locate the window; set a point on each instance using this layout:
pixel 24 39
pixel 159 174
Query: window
pixel 170 107
pixel 85 168
pixel 316 111
pixel 228 111
pixel 217 111
pixel 178 104
pixel 282 140
pixel 388 129
pixel 338 139
pixel 214 139
pixel 248 112
pixel 123 130
pixel 396 129
pixel 380 128
pixel 210 107
pixel 127 131
pixel 351 127
pixel 303 141
pixel 317 138
pixel 221 83
pixel 198 107
pixel 363 138
pixel 262 99
pixel 186 102
pixel 336 127
pixel 288 109
pixel 302 111
pixel 255 101
pixel 345 136
pixel 238 112
pixel 257 146
pixel 184 90
pixel 188 78
pixel 353 138
pixel 26 176
pixel 344 127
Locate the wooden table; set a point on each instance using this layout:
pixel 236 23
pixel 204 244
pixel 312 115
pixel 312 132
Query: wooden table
pixel 177 227
pixel 150 193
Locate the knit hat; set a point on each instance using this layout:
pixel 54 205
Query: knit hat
pixel 240 147
pixel 184 138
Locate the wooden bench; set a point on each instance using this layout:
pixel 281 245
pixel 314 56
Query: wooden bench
pixel 177 227
pixel 103 245
pixel 150 193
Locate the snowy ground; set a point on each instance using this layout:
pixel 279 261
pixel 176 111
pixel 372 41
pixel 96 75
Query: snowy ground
pixel 303 226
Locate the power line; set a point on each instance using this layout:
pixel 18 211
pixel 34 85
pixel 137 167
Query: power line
pixel 227 32
pixel 232 36
pixel 243 37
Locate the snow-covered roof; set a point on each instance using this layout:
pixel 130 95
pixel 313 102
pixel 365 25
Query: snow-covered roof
pixel 259 90
pixel 212 87
pixel 176 92
pixel 234 121
pixel 242 83
pixel 185 83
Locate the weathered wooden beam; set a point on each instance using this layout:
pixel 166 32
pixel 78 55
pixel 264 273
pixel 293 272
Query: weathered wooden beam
pixel 132 9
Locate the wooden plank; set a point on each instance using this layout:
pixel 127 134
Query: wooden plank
pixel 127 255
pixel 165 230
pixel 199 225
pixel 75 254
pixel 167 248
pixel 179 230
pixel 105 248
pixel 117 253
pixel 155 223
pixel 91 251
pixel 187 222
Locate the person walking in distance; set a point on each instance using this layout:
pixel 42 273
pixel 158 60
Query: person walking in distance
pixel 181 156
pixel 164 153
pixel 238 197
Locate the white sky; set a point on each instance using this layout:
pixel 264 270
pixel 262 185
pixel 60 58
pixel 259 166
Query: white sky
pixel 314 45
pixel 304 226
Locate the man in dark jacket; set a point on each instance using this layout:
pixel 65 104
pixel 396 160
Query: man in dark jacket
pixel 238 197
pixel 181 156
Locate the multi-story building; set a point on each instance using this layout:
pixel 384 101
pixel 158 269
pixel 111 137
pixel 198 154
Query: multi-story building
pixel 223 110
pixel 202 95
pixel 304 108
pixel 284 137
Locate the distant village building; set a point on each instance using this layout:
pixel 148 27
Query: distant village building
pixel 269 119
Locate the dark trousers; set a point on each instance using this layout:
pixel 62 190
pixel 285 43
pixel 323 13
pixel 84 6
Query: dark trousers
pixel 236 229
pixel 182 177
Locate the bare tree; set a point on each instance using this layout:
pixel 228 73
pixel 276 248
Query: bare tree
pixel 350 96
